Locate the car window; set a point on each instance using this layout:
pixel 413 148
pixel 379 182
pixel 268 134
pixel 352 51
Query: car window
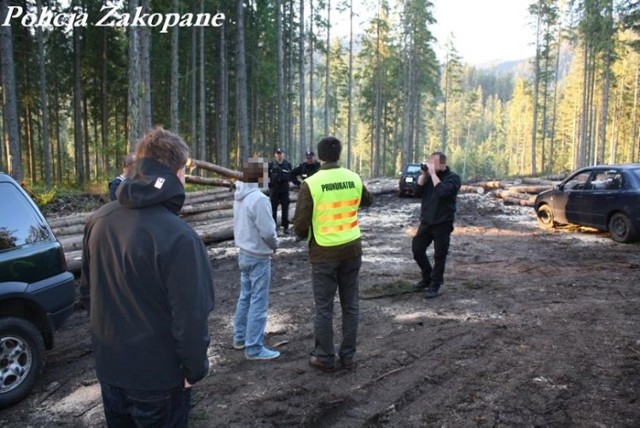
pixel 19 222
pixel 604 180
pixel 579 182
pixel 614 180
pixel 412 169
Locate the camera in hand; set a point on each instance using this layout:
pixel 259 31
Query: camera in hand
pixel 424 167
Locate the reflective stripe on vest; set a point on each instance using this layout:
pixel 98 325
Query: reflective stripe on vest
pixel 336 196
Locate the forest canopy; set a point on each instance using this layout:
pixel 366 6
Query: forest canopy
pixel 241 78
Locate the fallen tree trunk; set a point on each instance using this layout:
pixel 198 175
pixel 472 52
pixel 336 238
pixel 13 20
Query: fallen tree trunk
pixel 471 189
pixel 208 181
pixel 212 206
pixel 69 220
pixel 500 193
pixel 68 230
pixel 516 201
pixel 528 189
pixel 226 172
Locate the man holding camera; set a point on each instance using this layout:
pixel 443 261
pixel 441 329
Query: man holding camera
pixel 438 186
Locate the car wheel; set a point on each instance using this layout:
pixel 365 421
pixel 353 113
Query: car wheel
pixel 620 228
pixel 545 217
pixel 21 359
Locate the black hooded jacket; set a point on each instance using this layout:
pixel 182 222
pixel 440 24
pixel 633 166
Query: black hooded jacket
pixel 147 280
pixel 439 202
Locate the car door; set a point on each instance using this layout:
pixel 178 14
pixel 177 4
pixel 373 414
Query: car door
pixel 599 198
pixel 568 203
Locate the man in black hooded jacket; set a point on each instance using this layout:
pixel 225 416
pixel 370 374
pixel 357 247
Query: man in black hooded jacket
pixel 147 280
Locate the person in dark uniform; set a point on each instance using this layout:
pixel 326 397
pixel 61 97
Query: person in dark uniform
pixel 279 178
pixel 438 186
pixel 113 185
pixel 305 169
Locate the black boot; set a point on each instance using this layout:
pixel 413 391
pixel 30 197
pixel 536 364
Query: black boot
pixel 432 291
pixel 421 285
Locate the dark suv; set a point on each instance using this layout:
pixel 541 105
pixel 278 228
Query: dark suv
pixel 36 292
pixel 409 179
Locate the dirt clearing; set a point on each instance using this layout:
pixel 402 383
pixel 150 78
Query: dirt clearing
pixel 533 328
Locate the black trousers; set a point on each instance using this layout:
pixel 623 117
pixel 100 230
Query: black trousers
pixel 280 198
pixel 440 235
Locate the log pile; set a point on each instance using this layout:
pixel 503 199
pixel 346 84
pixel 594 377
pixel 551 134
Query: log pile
pixel 517 192
pixel 209 212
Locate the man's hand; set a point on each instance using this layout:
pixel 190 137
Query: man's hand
pixel 187 385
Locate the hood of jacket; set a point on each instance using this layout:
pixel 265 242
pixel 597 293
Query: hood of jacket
pixel 244 189
pixel 153 183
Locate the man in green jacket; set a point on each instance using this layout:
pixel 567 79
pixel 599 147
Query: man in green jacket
pixel 327 215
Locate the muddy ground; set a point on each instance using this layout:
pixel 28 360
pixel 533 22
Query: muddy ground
pixel 534 328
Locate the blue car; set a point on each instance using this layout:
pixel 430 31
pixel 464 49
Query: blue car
pixel 605 197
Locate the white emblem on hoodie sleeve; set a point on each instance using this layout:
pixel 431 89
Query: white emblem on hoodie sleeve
pixel 159 183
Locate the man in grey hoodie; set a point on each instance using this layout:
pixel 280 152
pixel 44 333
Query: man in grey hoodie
pixel 256 238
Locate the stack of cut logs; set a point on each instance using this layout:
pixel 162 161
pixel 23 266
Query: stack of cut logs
pixel 209 212
pixel 517 192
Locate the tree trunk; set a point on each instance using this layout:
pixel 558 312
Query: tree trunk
pixel 217 169
pixel 327 80
pixel 311 71
pixel 10 105
pixel 303 131
pixel 104 106
pixel 280 73
pixel 193 94
pixel 223 109
pixel 536 85
pixel 145 70
pixel 241 93
pixel 46 143
pixel 175 76
pixel 608 54
pixel 78 132
pixel 133 98
pixel 203 94
pixel 350 85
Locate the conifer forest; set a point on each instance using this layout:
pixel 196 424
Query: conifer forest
pixel 82 80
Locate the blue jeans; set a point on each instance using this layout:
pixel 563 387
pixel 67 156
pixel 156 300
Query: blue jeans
pixel 133 408
pixel 329 277
pixel 251 311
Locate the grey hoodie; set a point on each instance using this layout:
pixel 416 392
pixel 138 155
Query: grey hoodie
pixel 253 227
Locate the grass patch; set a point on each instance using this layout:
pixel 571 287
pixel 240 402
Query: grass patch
pixel 387 289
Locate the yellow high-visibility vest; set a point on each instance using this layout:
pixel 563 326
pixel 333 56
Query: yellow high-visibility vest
pixel 336 196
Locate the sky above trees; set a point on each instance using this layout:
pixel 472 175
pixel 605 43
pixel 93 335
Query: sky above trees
pixel 485 31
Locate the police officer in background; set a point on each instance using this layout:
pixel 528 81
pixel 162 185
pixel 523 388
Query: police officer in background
pixel 305 169
pixel 279 177
pixel 327 215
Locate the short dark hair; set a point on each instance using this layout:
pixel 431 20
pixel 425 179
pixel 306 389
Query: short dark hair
pixel 165 147
pixel 329 149
pixel 441 157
